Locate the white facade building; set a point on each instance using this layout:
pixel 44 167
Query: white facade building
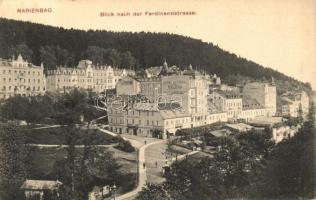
pixel 19 77
pixel 293 103
pixel 227 101
pixel 188 89
pixel 84 76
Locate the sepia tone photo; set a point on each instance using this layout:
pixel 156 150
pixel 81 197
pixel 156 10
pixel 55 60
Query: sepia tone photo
pixel 157 100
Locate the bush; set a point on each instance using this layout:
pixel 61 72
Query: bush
pixel 124 145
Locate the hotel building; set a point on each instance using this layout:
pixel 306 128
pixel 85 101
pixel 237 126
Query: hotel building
pixel 188 89
pixel 19 77
pixel 85 76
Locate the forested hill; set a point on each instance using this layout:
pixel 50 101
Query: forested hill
pixel 58 46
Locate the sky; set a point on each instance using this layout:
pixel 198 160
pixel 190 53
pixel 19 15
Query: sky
pixel 280 34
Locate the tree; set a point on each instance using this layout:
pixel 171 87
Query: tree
pixel 149 49
pixel 153 192
pixel 15 108
pixel 13 162
pixel 127 60
pixel 95 54
pixel 48 57
pixel 22 49
pixel 290 172
pixel 83 168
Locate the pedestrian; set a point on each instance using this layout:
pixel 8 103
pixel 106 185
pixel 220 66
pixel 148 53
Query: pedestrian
pixel 145 142
pixel 144 165
pixel 156 164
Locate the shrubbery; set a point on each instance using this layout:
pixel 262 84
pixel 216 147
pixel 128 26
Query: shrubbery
pixel 125 145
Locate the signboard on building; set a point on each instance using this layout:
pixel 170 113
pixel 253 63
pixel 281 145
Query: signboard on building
pixel 175 84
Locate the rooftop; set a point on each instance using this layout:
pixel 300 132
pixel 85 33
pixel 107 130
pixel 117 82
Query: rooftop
pixel 230 94
pixel 240 127
pixel 250 103
pixel 41 185
pixel 171 114
pixel 266 121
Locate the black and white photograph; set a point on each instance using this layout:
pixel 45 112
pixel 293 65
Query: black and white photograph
pixel 157 99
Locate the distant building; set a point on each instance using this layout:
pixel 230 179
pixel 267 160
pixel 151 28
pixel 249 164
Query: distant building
pixel 227 101
pixel 293 103
pixel 85 76
pixel 38 189
pixel 214 83
pixel 128 86
pixel 280 131
pixel 264 93
pixel 251 109
pixel 188 89
pixel 19 77
pixel 144 118
pixel 240 127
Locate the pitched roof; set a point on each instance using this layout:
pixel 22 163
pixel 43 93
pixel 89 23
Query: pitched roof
pixel 171 114
pixel 41 185
pixel 230 94
pixel 250 103
pixel 153 71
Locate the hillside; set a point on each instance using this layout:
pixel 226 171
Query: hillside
pixel 58 46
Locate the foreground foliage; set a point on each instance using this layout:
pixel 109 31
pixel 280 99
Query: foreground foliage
pixel 246 166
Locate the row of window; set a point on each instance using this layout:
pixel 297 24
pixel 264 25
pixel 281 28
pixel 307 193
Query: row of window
pixel 233 104
pixel 4 88
pixel 88 80
pixel 81 73
pixel 19 72
pixel 133 121
pixel 22 80
pixel 89 87
pixel 168 122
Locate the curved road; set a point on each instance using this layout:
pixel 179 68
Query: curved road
pixel 142 177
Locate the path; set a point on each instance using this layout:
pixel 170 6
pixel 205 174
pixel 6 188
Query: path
pixel 142 178
pixel 181 157
pixel 139 143
pixel 48 126
pixel 64 146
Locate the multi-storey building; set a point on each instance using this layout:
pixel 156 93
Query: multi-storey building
pixel 144 118
pixel 227 101
pixel 251 109
pixel 293 103
pixel 84 76
pixel 264 93
pixel 19 77
pixel 188 89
